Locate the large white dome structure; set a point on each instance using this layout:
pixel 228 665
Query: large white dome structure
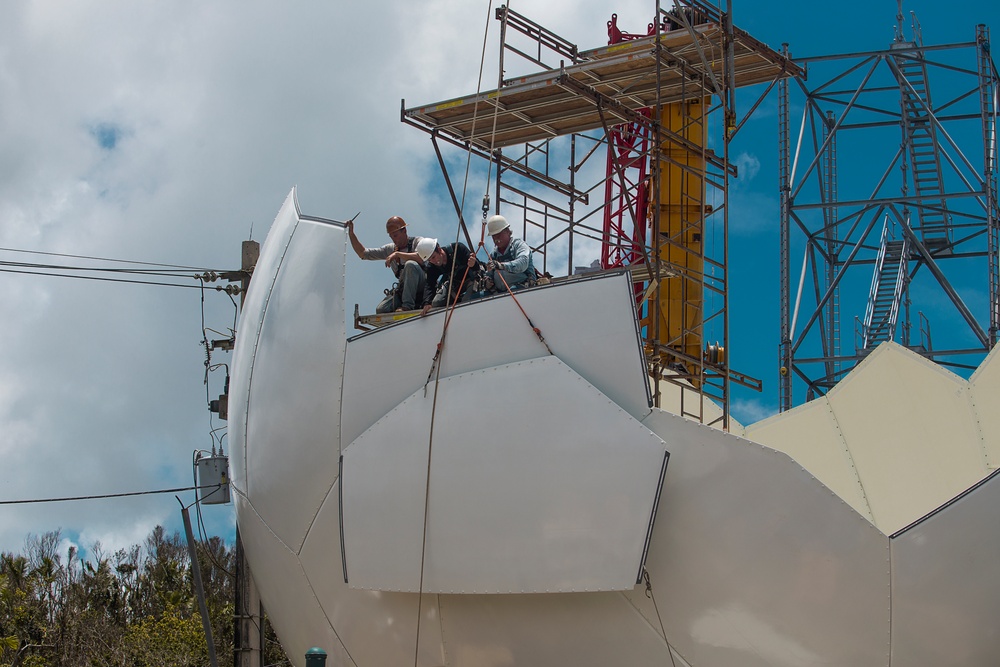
pixel 492 487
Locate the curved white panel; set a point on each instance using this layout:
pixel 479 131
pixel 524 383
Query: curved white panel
pixel 288 373
pixel 538 483
pixel 578 630
pixel 248 331
pixel 589 325
pixel 294 407
pixel 290 602
pixel 755 563
pixel 378 628
pixel 945 589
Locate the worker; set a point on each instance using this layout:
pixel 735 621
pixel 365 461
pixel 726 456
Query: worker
pixel 510 262
pixel 400 256
pixel 448 270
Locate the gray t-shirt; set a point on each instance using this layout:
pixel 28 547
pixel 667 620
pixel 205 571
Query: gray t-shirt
pixel 389 248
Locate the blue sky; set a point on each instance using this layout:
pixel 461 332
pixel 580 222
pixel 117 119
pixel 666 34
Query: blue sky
pixel 167 133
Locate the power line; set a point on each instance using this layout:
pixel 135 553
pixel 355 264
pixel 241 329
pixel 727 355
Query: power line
pixel 65 271
pixel 110 280
pixel 106 495
pixel 99 269
pixel 104 259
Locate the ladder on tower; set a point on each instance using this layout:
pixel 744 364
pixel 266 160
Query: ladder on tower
pixel 920 136
pixel 888 284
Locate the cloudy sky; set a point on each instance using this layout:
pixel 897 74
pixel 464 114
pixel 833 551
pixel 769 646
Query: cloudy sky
pixel 170 132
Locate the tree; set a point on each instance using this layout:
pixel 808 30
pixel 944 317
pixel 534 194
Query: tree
pixel 135 607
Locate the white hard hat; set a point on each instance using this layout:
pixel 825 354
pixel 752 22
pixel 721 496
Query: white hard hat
pixel 496 224
pixel 426 248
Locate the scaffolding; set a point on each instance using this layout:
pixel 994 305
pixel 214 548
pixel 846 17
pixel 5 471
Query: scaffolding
pixel 654 106
pixel 921 232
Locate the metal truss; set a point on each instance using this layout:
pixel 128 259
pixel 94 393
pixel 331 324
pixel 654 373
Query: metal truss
pixel 888 222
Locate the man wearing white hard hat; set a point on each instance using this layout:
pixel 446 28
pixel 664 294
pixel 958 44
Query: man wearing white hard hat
pixel 449 272
pixel 510 262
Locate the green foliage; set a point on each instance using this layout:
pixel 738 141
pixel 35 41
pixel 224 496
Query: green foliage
pixel 172 640
pixel 135 607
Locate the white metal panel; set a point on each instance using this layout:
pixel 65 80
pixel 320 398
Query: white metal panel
pixel 911 431
pixel 292 607
pixel 811 436
pixel 575 630
pixel 985 393
pixel 753 562
pixel 538 483
pixel 588 324
pixel 946 591
pixel 293 415
pixel 248 331
pixel 378 628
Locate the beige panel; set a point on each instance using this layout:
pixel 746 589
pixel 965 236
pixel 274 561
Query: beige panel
pixel 911 431
pixel 811 436
pixel 985 390
pixel 687 402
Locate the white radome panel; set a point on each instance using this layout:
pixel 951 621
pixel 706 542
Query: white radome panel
pixel 589 325
pixel 248 333
pixel 589 629
pixel 538 483
pixel 946 592
pixel 290 601
pixel 377 628
pixel 754 563
pixel 303 315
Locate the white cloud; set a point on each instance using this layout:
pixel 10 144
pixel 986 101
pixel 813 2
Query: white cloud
pixel 748 165
pixel 163 133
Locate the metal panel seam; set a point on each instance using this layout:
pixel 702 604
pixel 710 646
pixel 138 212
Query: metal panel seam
pixel 850 460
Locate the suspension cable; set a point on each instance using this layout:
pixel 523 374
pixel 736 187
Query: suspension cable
pixel 538 332
pixel 656 608
pixel 435 366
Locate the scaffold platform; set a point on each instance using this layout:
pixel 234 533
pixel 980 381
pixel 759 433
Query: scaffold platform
pixel 606 87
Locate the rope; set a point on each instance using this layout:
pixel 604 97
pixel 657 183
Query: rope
pixel 444 331
pixel 663 633
pixel 538 332
pixel 427 494
pixel 447 321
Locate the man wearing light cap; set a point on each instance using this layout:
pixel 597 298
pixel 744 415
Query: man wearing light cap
pixel 449 272
pixel 510 262
pixel 401 258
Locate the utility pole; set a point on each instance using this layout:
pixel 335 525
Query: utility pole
pixel 248 626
